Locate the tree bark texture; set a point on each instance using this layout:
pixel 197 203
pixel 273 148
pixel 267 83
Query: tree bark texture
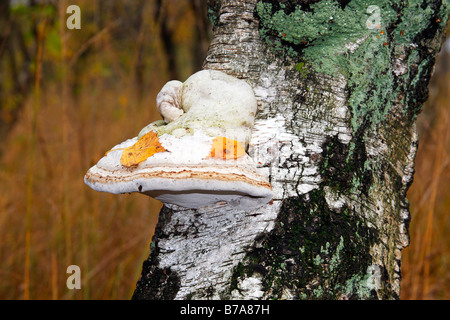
pixel 335 134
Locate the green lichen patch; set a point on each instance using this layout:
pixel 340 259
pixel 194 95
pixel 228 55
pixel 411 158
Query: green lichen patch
pixel 313 252
pixel 334 38
pixel 302 69
pixel 318 31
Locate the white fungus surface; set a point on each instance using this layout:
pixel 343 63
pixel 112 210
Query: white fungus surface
pixel 214 104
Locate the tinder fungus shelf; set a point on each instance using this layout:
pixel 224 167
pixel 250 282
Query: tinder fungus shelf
pixel 196 156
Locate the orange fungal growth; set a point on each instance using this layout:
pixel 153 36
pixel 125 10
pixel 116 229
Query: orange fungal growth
pixel 226 149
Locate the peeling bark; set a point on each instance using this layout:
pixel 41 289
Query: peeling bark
pixel 339 218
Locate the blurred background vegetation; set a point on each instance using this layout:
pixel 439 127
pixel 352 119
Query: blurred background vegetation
pixel 68 96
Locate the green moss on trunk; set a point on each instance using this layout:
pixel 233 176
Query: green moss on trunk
pixel 314 252
pixel 346 168
pixel 213 11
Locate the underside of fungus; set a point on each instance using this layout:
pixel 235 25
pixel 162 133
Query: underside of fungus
pixel 195 157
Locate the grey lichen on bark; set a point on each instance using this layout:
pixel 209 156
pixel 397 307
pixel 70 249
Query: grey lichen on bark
pixel 340 173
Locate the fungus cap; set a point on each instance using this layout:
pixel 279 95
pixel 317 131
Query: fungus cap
pixel 194 167
pixel 185 176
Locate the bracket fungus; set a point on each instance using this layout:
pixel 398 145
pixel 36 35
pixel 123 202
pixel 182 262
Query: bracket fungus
pixel 196 156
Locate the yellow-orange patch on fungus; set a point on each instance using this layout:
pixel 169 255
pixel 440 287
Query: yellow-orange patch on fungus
pixel 226 149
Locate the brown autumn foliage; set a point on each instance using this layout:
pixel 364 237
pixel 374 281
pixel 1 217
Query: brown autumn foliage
pixel 426 264
pixel 95 88
pixel 69 96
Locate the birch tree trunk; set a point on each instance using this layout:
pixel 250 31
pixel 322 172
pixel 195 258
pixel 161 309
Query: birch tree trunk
pixel 339 87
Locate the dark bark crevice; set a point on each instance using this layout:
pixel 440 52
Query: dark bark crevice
pixel 157 283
